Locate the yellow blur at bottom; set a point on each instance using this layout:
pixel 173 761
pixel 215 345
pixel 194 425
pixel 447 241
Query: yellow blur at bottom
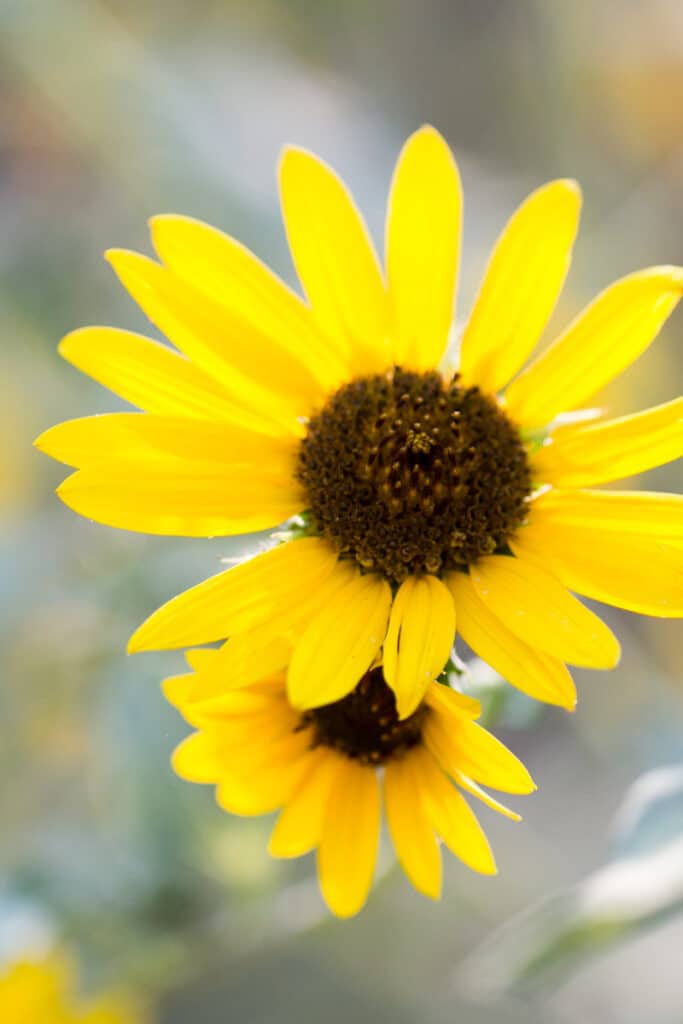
pixel 45 992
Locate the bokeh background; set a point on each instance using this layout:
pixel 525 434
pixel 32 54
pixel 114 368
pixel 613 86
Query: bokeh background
pixel 112 110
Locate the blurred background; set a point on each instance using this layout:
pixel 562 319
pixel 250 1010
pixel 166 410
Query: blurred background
pixel 111 111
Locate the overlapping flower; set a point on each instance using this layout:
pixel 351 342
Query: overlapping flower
pixel 326 770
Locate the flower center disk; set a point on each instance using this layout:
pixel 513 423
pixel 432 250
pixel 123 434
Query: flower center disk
pixel 408 473
pixel 365 726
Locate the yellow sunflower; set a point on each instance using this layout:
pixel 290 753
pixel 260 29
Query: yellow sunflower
pixel 320 769
pixel 44 992
pixel 429 495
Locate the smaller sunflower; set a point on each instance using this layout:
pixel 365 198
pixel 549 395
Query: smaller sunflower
pixel 44 992
pixel 325 770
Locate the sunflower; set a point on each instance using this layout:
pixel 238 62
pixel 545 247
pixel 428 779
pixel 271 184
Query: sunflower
pixel 325 770
pixel 422 496
pixel 44 992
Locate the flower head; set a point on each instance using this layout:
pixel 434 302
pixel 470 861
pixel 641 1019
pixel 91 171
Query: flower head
pixel 44 992
pixel 431 497
pixel 325 770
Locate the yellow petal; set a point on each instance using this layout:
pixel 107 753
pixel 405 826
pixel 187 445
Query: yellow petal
pixel 452 702
pixel 465 747
pixel 200 658
pixel 581 455
pixel 252 368
pixel 267 647
pixel 299 826
pixel 266 782
pixel 335 260
pixel 521 285
pixel 451 815
pixel 240 717
pixel 643 513
pixel 199 758
pixel 220 267
pixel 148 374
pixel 207 756
pixel 537 674
pixel 349 839
pixel 253 731
pixel 341 643
pixel 535 606
pixel 419 639
pixel 263 700
pixel 642 572
pixel 424 220
pixel 473 789
pixel 244 660
pixel 601 342
pixel 176 689
pixel 239 598
pixel 411 830
pixel 181 499
pixel 102 439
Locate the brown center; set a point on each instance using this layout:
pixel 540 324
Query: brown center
pixel 409 474
pixel 364 725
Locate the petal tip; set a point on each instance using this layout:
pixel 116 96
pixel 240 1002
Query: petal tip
pixel 158 219
pixel 404 707
pixel 158 222
pixel 66 344
pixel 433 894
pixel 39 442
pixel 428 130
pixel 136 643
pixel 112 256
pixel 290 155
pixel 571 185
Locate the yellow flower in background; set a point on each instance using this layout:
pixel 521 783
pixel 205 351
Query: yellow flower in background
pixel 44 992
pixel 432 500
pixel 320 769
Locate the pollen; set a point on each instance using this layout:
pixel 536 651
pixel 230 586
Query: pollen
pixel 364 725
pixel 410 474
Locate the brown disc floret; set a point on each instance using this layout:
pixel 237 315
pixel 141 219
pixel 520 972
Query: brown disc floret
pixel 410 474
pixel 365 725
